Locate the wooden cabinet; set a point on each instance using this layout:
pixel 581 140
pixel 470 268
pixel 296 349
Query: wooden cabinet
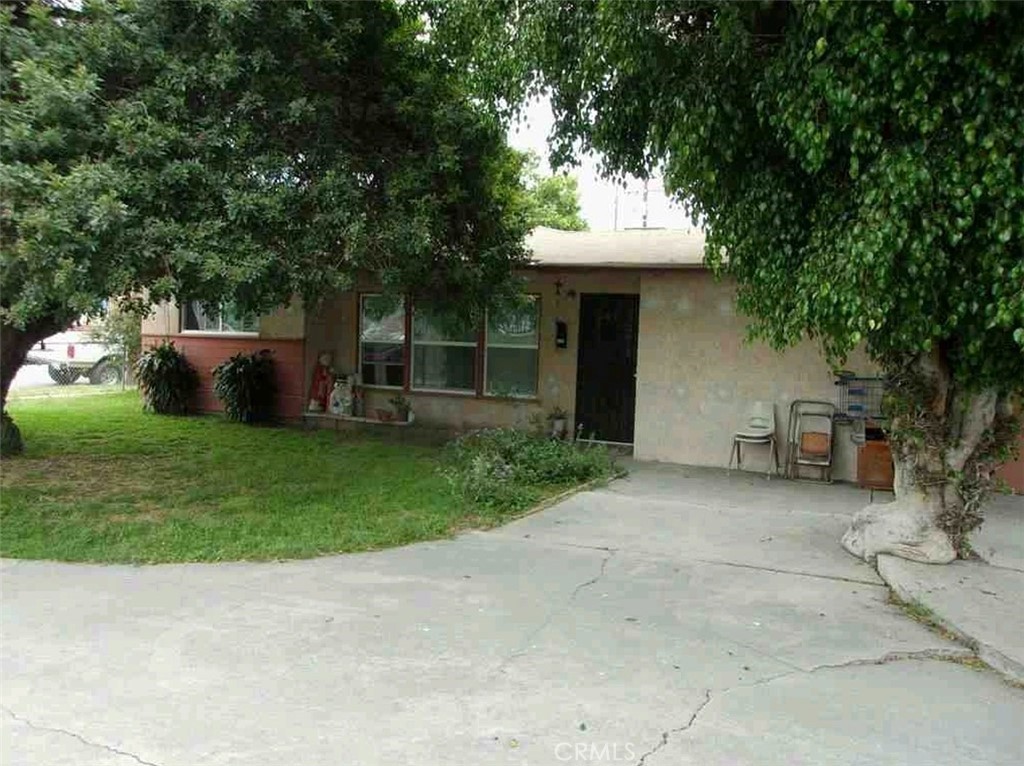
pixel 874 465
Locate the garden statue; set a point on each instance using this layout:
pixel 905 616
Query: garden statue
pixel 320 386
pixel 341 396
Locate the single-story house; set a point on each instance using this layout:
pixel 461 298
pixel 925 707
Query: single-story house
pixel 626 331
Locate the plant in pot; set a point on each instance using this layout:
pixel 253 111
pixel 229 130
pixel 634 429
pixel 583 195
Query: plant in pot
pixel 245 385
pixel 559 421
pixel 403 410
pixel 167 381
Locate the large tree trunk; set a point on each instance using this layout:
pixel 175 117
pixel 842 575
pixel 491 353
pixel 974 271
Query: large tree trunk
pixel 946 443
pixel 908 527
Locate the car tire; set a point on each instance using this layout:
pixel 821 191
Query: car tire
pixel 105 373
pixel 61 375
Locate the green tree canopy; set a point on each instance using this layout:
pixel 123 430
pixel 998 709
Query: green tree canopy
pixel 859 168
pixel 552 201
pixel 227 149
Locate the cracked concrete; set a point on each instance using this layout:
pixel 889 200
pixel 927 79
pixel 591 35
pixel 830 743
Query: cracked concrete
pixel 1000 540
pixel 796 572
pixel 119 755
pixel 979 600
pixel 979 603
pixel 533 634
pixel 945 655
pixel 677 617
pixel 829 724
pixel 678 730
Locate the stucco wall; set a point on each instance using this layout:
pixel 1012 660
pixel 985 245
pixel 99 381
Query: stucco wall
pixel 163 320
pixel 333 327
pixel 696 376
pixel 285 323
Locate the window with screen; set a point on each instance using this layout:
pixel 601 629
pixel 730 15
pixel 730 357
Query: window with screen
pixel 226 319
pixel 443 353
pixel 382 341
pixel 512 350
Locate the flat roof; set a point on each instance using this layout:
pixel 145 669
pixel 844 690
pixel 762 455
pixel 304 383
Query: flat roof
pixel 628 249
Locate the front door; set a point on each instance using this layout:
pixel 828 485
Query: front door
pixel 606 367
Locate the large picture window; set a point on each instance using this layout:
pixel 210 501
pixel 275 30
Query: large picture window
pixel 443 354
pixel 440 354
pixel 512 351
pixel 382 341
pixel 227 319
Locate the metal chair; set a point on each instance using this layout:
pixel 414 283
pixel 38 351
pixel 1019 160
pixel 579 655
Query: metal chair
pixel 809 437
pixel 758 429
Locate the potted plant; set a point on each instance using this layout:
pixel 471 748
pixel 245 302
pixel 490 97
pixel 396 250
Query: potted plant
pixel 559 419
pixel 403 410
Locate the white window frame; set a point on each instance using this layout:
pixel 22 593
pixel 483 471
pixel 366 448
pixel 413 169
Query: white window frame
pixel 474 344
pixel 220 333
pixel 488 345
pixel 406 349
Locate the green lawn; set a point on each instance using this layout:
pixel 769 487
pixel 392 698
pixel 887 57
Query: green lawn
pixel 103 481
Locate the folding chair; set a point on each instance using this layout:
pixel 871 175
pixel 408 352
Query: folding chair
pixel 809 437
pixel 759 429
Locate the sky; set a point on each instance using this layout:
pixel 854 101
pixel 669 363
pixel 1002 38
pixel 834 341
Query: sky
pixel 597 196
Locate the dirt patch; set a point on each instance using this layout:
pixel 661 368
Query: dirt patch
pixel 91 475
pixel 471 522
pixel 147 513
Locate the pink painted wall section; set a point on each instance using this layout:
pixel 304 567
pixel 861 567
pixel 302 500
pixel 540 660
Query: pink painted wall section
pixel 206 352
pixel 1013 473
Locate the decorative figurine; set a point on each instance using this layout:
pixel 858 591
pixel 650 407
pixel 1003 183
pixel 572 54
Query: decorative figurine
pixel 341 396
pixel 320 386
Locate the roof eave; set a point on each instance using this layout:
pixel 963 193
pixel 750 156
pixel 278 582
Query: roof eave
pixel 615 265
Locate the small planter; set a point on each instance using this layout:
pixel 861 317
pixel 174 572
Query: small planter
pixel 385 416
pixel 402 410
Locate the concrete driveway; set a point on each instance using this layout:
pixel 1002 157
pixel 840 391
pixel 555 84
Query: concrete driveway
pixel 680 616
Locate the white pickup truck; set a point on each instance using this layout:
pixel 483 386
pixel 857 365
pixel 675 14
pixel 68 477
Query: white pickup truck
pixel 72 354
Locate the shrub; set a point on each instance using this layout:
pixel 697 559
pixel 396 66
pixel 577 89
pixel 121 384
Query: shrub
pixel 503 469
pixel 245 385
pixel 167 381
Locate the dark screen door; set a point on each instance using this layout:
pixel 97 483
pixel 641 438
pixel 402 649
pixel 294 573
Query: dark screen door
pixel 606 366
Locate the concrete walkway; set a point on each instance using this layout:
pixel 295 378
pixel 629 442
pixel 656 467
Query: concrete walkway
pixel 680 616
pixel 981 601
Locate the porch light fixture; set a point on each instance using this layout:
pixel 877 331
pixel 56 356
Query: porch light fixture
pixel 561 334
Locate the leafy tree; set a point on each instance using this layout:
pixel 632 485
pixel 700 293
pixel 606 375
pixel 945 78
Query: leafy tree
pixel 860 171
pixel 121 331
pixel 252 151
pixel 551 201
